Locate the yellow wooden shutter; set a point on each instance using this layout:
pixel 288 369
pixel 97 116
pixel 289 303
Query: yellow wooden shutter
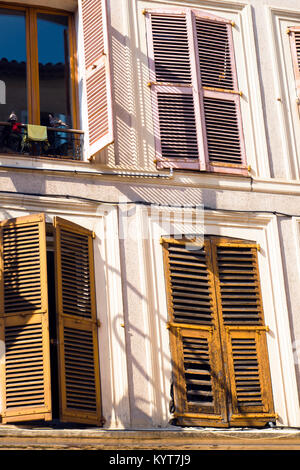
pixel 195 343
pixel 25 366
pixel 77 324
pixel 243 332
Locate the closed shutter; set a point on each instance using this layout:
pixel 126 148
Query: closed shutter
pixel 243 332
pixel 221 100
pixel 25 365
pixel 295 49
pixel 176 108
pixel 77 324
pixel 218 337
pixel 98 80
pixel 195 96
pixel 197 364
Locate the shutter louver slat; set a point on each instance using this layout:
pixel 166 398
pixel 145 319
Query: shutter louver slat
pixel 246 372
pixel 214 54
pixel 171 49
pixel 79 367
pixel 177 126
pixel 21 257
pixel 222 130
pixel 239 289
pixel 24 354
pixel 197 372
pixel 189 275
pixel 251 390
pixel 75 259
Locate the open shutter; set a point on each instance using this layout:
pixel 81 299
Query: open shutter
pixel 295 49
pixel 221 97
pixel 25 366
pixel 98 80
pixel 195 344
pixel 243 333
pixel 77 324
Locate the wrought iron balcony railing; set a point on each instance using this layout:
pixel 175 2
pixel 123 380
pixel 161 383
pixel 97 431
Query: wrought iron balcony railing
pixel 61 142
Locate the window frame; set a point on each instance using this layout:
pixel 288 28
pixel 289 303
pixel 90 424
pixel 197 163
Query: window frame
pixel 32 79
pixel 198 91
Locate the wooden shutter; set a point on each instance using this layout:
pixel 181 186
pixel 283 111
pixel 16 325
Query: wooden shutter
pixel 218 337
pixel 221 100
pixel 98 80
pixel 196 101
pixel 77 324
pixel 197 365
pixel 25 368
pixel 295 49
pixel 243 332
pixel 176 109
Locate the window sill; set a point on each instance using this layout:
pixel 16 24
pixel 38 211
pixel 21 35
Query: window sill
pixel 22 437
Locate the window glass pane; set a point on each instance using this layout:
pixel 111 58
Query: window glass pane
pixel 54 70
pixel 13 61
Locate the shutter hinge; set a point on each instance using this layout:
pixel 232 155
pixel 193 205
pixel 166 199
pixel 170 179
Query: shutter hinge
pixel 288 31
pixel 144 11
pixel 233 24
pixel 93 235
pixel 98 323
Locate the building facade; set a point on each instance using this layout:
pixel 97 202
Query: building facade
pixel 150 238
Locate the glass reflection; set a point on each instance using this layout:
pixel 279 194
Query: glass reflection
pixel 54 70
pixel 13 65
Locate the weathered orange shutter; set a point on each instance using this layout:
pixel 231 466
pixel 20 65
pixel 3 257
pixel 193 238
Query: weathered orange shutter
pixel 77 324
pixel 243 333
pixel 98 80
pixel 218 337
pixel 295 49
pixel 25 364
pixel 197 364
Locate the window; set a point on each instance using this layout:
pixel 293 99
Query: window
pixel 35 64
pixel 50 365
pixel 294 32
pixel 195 95
pixel 221 371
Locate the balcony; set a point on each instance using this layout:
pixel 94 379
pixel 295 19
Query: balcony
pixel 61 142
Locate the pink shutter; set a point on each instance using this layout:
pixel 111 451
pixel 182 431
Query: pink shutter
pixel 221 97
pixel 174 96
pixel 295 49
pixel 98 85
pixel 195 96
